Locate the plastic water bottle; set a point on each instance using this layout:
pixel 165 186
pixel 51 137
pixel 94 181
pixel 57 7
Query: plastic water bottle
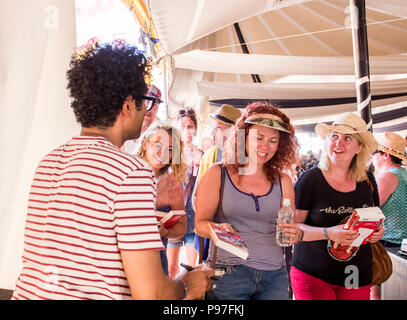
pixel 285 215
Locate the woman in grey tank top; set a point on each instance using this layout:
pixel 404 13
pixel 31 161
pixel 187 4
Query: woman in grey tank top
pixel 252 196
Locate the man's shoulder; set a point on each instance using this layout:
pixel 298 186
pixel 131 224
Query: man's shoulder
pixel 98 153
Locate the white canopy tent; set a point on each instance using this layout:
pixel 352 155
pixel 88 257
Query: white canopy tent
pixel 38 38
pixel 287 50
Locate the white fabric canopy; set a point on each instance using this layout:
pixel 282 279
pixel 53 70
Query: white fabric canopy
pixel 226 90
pixel 180 22
pixel 394 7
pixel 225 62
pixel 286 41
pixel 37 39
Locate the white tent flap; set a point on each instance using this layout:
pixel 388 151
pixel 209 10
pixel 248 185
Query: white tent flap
pixel 225 62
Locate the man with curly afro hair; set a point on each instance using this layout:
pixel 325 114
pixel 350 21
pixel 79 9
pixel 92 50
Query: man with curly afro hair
pixel 91 230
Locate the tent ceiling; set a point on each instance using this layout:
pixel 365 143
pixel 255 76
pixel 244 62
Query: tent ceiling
pixel 288 40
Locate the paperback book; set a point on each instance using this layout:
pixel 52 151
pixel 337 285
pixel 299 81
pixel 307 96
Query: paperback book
pixel 169 219
pixel 365 221
pixel 228 241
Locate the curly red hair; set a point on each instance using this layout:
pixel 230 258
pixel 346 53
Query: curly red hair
pixel 287 149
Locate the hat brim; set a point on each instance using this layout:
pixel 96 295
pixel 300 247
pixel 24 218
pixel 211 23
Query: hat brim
pixel 393 153
pixel 269 123
pixel 323 129
pixel 221 119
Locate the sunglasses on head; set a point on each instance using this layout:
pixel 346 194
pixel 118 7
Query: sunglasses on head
pixel 186 112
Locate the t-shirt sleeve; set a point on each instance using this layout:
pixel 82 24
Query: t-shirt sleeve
pixel 135 220
pixel 304 189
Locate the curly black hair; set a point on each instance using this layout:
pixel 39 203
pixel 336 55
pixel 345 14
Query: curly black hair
pixel 102 77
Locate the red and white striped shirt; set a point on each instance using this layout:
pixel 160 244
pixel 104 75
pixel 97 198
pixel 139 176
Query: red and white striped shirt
pixel 88 201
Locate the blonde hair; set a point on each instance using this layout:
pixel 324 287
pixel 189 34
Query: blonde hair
pixel 178 168
pixel 359 164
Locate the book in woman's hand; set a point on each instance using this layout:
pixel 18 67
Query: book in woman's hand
pixel 229 241
pixel 169 219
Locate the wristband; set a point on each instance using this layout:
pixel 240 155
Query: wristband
pixel 302 236
pixel 326 237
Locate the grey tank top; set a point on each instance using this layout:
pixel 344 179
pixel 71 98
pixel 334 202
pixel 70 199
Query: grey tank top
pixel 255 218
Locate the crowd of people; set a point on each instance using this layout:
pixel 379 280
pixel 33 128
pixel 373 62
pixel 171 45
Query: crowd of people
pixel 92 231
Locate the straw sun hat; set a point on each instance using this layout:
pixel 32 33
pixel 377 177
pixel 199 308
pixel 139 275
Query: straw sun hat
pixel 393 144
pixel 349 123
pixel 226 114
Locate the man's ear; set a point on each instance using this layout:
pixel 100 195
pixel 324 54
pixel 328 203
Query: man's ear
pixel 143 144
pixel 127 105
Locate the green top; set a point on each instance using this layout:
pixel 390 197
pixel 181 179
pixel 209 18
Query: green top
pixel 395 209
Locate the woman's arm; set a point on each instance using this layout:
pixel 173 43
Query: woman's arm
pixel 386 183
pixel 207 199
pixel 176 231
pixel 292 230
pixel 171 194
pixel 335 233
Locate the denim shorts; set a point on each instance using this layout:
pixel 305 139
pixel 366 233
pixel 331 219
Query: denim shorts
pixel 245 283
pixel 189 239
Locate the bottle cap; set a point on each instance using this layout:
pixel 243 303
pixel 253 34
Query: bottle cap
pixel 286 202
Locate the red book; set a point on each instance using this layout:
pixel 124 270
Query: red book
pixel 169 218
pixel 228 241
pixel 366 221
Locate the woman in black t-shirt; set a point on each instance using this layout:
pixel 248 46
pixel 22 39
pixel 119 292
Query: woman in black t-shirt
pixel 325 196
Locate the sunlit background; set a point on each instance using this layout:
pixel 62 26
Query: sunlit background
pixel 107 20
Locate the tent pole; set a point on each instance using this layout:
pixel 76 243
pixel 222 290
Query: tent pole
pixel 361 59
pixel 245 49
pixel 164 69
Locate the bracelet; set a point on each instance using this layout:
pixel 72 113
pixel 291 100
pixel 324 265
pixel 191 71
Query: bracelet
pixel 302 236
pixel 326 237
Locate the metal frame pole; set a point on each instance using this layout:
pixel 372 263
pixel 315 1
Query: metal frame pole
pixel 361 59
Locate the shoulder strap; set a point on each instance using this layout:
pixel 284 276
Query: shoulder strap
pixel 221 187
pixel 219 210
pixel 374 193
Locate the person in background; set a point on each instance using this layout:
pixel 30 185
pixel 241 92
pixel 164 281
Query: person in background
pixel 91 230
pixel 188 124
pixel 224 118
pixel 222 121
pixel 392 184
pixel 252 197
pixel 157 145
pixel 150 117
pixel 325 196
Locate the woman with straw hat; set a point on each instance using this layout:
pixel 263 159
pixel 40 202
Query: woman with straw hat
pixel 392 184
pixel 323 264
